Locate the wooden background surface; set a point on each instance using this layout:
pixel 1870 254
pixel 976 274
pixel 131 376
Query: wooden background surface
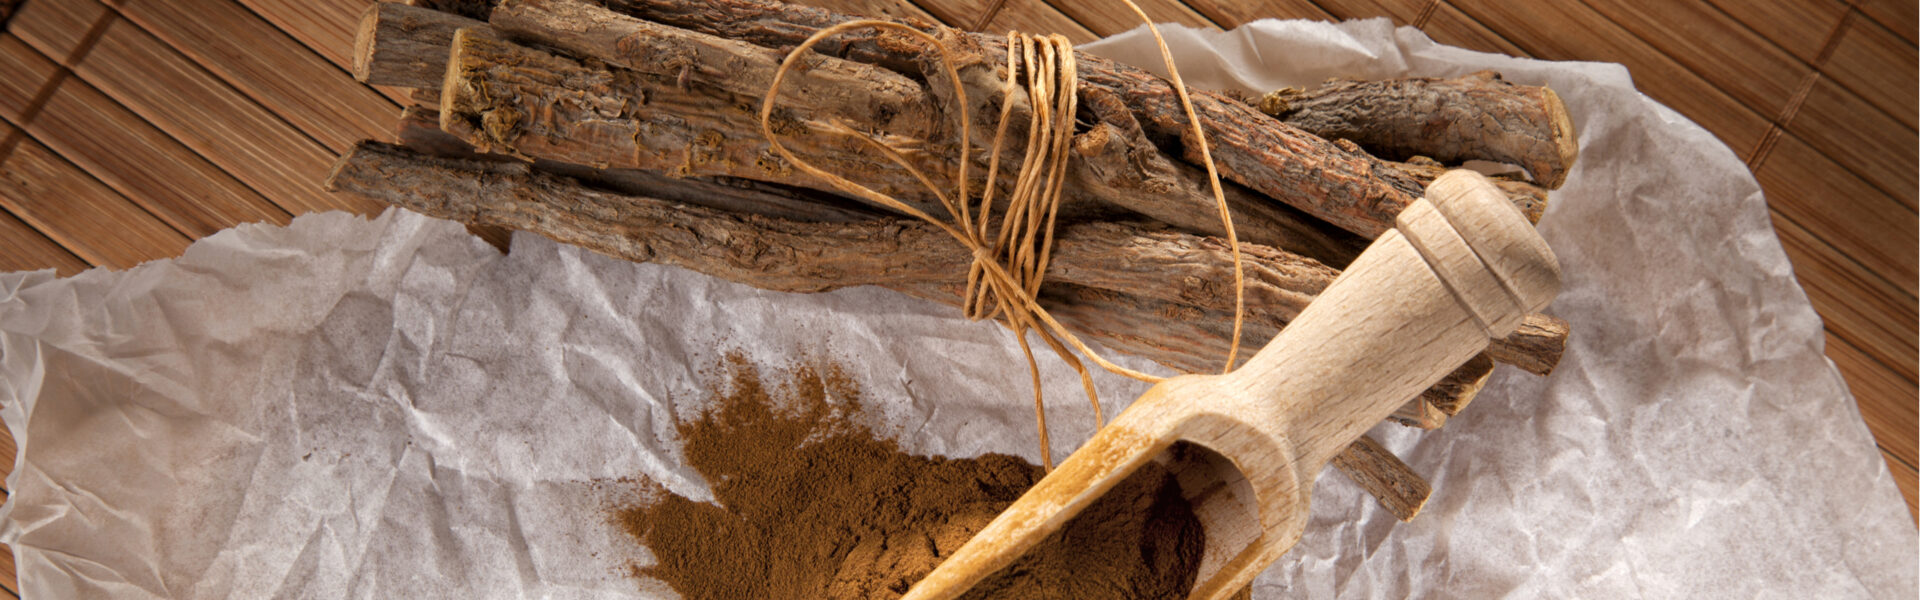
pixel 130 128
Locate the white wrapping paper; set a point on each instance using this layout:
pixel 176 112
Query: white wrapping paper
pixel 391 409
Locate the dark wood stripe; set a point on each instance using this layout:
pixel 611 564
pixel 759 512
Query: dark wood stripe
pixel 1426 14
pixel 41 97
pixel 987 17
pixel 1799 98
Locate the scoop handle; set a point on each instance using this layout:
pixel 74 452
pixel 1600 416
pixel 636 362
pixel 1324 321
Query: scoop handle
pixel 1461 267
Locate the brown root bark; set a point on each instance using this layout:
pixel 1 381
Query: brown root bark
pixel 1536 347
pixel 419 130
pixel 511 99
pixel 1452 120
pixel 1118 163
pixel 795 256
pixel 1339 184
pixel 868 96
pixel 1379 472
pixel 404 45
pixel 1128 171
pixel 787 255
pixel 1452 394
pixel 1349 189
pixel 495 89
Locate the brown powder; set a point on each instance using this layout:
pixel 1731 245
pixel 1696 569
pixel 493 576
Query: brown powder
pixel 813 506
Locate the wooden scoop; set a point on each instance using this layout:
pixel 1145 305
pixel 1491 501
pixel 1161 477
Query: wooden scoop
pixel 1461 267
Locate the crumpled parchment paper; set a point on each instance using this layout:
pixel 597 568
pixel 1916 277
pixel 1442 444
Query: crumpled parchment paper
pixel 391 409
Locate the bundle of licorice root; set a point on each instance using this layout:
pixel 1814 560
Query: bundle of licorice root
pixel 634 128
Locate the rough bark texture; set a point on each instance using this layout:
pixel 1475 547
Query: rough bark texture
pixel 1452 120
pixel 800 257
pixel 780 25
pixel 1128 171
pixel 404 45
pixel 419 130
pixel 1536 347
pixel 585 117
pixel 1369 464
pixel 871 97
pixel 1117 162
pixel 1352 190
pixel 787 255
pixel 1452 394
pixel 1335 182
pixel 508 98
pixel 1349 189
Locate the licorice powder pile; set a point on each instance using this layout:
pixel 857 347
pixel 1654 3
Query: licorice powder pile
pixel 812 505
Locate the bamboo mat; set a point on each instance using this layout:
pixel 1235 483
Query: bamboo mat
pixel 130 128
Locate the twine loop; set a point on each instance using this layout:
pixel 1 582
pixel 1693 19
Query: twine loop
pixel 1009 261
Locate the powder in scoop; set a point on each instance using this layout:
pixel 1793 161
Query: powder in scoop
pixel 812 505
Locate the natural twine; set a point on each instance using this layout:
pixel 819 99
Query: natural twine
pixel 1010 261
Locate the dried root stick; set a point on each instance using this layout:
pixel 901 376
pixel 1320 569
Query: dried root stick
pixel 1452 120
pixel 1355 191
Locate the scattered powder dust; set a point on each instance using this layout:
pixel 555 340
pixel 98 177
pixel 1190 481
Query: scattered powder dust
pixel 812 505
